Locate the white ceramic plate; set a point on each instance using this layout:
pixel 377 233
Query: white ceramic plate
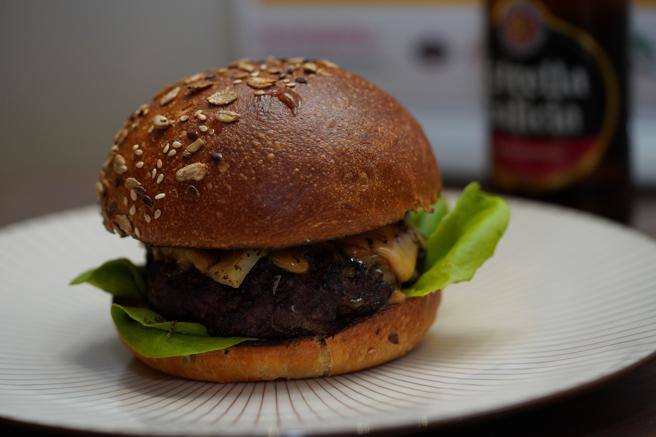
pixel 567 300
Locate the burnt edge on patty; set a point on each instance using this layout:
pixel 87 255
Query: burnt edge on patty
pixel 272 303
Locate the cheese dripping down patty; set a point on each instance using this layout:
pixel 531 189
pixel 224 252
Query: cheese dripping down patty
pixel 396 244
pixel 394 248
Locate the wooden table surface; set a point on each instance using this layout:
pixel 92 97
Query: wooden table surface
pixel 623 406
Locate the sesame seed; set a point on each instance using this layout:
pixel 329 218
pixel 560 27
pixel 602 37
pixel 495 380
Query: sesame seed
pixel 237 81
pixel 197 86
pixel 159 163
pixel 150 129
pixel 259 82
pixel 114 148
pixel 147 218
pixel 172 152
pixel 176 144
pixel 195 171
pixel 239 75
pixel 147 200
pixel 120 136
pixel 133 195
pixel 260 92
pixel 263 66
pixel 136 232
pixel 135 147
pixel 159 196
pixel 125 201
pixel 184 118
pixel 138 152
pixel 199 115
pixel 160 178
pixel 203 128
pixel 132 183
pixel 223 97
pixel 157 214
pixel 255 74
pixel 119 165
pixel 132 210
pixel 246 66
pixel 193 191
pixel 168 97
pixel 310 67
pixel 194 77
pixel 99 188
pixel 142 110
pixel 193 147
pixel 123 223
pixel 290 85
pixel 153 173
pixel 227 116
pixel 166 148
pixel 139 164
pixel 161 122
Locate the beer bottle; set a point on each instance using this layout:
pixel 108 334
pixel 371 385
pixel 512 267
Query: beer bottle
pixel 557 83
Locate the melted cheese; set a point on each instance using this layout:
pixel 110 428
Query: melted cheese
pixel 200 259
pixel 290 261
pixel 228 268
pixel 395 244
pixel 397 296
pixel 234 266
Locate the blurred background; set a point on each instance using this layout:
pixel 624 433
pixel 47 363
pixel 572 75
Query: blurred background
pixel 72 70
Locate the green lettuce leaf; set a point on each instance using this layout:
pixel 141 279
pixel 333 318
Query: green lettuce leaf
pixel 145 335
pixel 150 319
pixel 118 277
pixel 426 221
pixel 462 241
pixel 143 329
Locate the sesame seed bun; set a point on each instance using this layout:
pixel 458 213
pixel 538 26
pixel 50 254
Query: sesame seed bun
pixel 265 155
pixel 384 336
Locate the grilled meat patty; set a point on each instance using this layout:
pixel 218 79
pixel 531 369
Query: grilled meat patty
pixel 271 302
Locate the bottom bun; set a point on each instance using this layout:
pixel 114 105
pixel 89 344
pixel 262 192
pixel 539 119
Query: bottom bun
pixel 384 336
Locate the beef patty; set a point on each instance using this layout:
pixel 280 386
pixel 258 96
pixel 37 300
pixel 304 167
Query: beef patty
pixel 271 302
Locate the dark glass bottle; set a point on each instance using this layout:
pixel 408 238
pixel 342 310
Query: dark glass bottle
pixel 557 101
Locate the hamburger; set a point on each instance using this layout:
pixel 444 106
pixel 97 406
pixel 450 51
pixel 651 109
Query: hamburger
pixel 292 221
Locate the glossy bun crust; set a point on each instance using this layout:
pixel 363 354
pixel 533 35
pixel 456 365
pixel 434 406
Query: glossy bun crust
pixel 265 154
pixel 384 336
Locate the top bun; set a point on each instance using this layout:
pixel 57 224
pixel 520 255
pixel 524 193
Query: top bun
pixel 265 154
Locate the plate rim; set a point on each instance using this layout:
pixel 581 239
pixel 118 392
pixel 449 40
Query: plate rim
pixel 411 425
pixel 434 425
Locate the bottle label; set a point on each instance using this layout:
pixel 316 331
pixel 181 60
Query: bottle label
pixel 554 98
